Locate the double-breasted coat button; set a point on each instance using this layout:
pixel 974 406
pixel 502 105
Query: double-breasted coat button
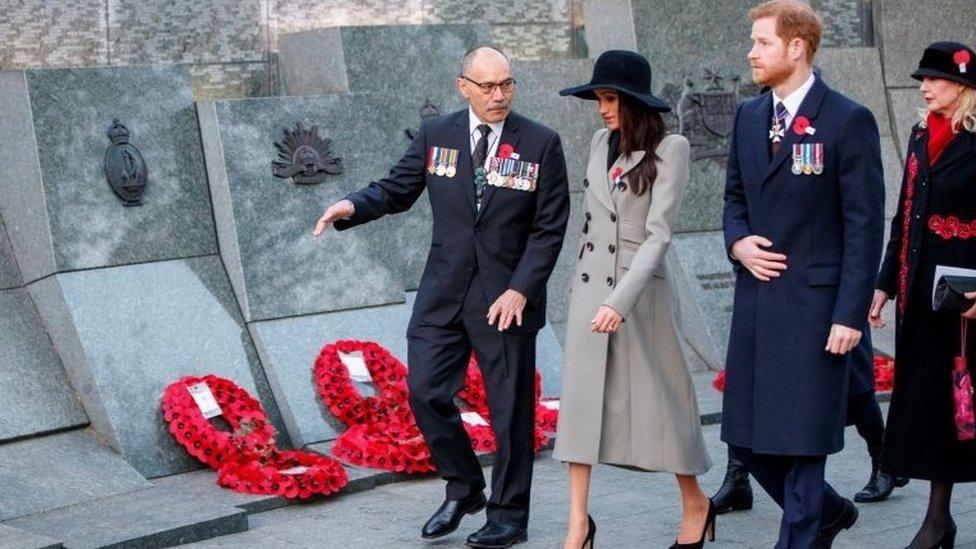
pixel 612 248
pixel 622 186
pixel 589 246
pixel 586 227
pixel 585 277
pixel 588 216
pixel 609 281
pixel 613 217
pixel 586 183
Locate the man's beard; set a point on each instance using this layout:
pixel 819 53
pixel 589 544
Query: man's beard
pixel 774 76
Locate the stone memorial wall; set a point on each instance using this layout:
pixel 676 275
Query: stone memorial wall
pixel 145 235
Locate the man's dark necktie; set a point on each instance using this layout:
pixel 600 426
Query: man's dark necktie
pixel 478 162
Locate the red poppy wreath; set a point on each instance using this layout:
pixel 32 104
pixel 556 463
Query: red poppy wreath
pixel 382 433
pixel 288 473
pixel 479 426
pixel 252 434
pixel 247 458
pixel 334 384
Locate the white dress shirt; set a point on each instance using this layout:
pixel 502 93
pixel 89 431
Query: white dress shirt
pixel 793 101
pixel 475 135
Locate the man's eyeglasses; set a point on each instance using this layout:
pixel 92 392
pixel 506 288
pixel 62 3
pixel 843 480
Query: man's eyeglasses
pixel 488 88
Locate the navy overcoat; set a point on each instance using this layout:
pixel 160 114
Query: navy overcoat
pixel 784 394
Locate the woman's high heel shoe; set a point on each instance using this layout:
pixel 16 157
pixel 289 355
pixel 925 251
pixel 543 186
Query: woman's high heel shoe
pixel 708 529
pixel 590 533
pixel 948 540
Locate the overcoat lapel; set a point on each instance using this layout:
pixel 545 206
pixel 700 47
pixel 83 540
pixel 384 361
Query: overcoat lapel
pixel 960 147
pixel 461 140
pixel 600 180
pixel 758 138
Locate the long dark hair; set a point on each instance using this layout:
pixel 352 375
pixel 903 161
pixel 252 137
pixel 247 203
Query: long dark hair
pixel 641 129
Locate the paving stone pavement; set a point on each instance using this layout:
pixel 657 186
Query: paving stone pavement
pixel 632 510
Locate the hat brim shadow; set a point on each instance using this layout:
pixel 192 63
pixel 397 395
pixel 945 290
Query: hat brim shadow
pixel 933 73
pixel 586 92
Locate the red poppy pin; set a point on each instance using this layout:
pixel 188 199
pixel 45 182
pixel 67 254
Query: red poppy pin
pixel 505 150
pixel 961 58
pixel 615 175
pixel 801 125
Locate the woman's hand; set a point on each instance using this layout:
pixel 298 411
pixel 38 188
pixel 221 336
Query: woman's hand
pixel 606 321
pixel 877 304
pixel 971 313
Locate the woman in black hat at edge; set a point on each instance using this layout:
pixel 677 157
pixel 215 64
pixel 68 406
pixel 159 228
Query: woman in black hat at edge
pixel 627 397
pixel 935 225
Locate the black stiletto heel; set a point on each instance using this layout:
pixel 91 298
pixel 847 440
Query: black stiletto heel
pixel 707 530
pixel 590 533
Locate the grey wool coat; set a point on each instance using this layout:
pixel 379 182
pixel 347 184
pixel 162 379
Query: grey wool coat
pixel 627 397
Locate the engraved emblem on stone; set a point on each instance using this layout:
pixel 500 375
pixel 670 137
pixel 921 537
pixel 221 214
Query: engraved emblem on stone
pixel 706 117
pixel 428 111
pixel 304 157
pixel 125 168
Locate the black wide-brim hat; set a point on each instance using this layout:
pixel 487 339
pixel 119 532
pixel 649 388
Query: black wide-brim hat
pixel 624 71
pixel 949 60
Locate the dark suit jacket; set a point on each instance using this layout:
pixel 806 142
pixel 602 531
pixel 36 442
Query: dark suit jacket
pixel 784 393
pixel 514 240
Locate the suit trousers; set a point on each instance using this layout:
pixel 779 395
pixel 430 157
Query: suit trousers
pixel 438 359
pixel 797 485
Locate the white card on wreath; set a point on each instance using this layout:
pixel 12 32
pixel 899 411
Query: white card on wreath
pixel 550 404
pixel 205 400
pixel 356 366
pixel 473 418
pixel 299 470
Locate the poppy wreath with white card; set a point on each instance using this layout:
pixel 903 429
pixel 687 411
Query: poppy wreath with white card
pixel 478 421
pixel 334 383
pixel 250 430
pixel 391 446
pixel 382 432
pixel 247 459
pixel 288 473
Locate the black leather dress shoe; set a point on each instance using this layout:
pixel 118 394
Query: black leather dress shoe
pixel 448 517
pixel 879 487
pixel 846 519
pixel 493 536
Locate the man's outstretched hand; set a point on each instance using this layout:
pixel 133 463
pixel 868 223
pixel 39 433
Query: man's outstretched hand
pixel 340 210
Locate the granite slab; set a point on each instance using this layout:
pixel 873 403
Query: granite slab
pixel 704 282
pixel 277 267
pixel 56 471
pixel 146 518
pixel 9 272
pixel 12 538
pixel 135 329
pixel 63 213
pixel 35 395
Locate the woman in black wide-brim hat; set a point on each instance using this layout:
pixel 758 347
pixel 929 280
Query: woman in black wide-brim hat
pixel 935 225
pixel 627 397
